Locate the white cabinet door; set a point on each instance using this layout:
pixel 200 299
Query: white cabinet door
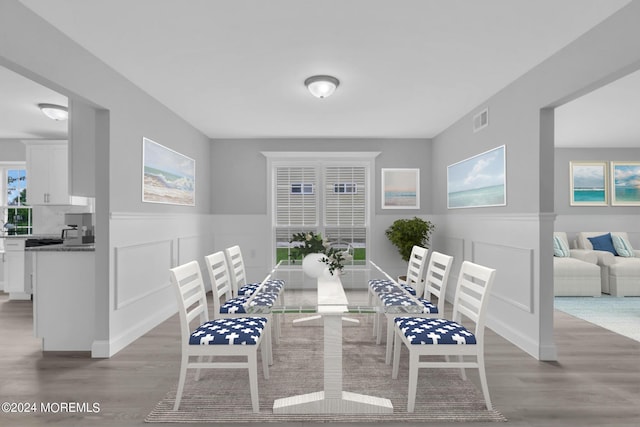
pixel 3 270
pixel 47 173
pixel 14 256
pixel 58 175
pixel 37 174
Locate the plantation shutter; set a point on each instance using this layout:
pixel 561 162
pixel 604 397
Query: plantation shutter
pixel 296 199
pixel 345 204
pixel 344 196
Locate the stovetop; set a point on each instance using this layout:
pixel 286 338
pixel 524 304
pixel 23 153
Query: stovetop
pixel 30 243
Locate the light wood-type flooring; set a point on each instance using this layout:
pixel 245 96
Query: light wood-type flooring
pixel 596 381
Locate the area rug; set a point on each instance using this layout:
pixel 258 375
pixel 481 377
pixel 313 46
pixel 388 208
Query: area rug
pixel 222 396
pixel 618 314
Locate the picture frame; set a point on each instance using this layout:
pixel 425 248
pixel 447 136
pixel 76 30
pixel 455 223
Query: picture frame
pixel 588 183
pixel 625 183
pixel 167 176
pixel 478 181
pixel 400 188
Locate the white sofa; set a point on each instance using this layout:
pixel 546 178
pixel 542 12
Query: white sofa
pixel 577 274
pixel 620 275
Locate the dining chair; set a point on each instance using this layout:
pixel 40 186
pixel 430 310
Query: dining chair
pixel 239 284
pixel 435 284
pixel 240 336
pixel 240 287
pixel 379 287
pixel 441 337
pixel 225 306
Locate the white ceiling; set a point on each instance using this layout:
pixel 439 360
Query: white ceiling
pixel 20 117
pixel 407 69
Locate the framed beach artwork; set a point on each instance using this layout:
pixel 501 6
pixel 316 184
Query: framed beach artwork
pixel 588 183
pixel 400 188
pixel 479 181
pixel 625 183
pixel 168 176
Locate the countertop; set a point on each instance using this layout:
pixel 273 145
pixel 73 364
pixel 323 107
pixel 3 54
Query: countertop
pixel 61 248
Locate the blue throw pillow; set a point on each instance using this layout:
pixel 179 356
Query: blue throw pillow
pixel 603 243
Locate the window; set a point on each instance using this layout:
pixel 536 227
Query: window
pixel 16 216
pixel 302 188
pixel 338 209
pixel 345 187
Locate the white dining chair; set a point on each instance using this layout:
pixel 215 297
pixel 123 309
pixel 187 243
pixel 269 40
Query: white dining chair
pixel 225 306
pixel 441 337
pixel 216 337
pixel 380 287
pixel 240 287
pixel 435 285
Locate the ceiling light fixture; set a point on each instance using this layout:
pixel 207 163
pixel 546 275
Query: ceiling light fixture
pixel 321 86
pixel 55 112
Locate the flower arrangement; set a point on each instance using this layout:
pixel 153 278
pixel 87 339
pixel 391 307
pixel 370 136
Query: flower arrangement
pixel 314 244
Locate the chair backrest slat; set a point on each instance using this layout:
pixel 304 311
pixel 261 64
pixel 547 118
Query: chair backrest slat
pixel 191 295
pixel 436 278
pixel 236 268
pixel 417 262
pixel 220 281
pixel 472 291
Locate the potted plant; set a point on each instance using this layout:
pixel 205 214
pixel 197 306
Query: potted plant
pixel 311 244
pixel 407 233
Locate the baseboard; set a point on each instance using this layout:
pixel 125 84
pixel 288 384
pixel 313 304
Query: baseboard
pixel 106 349
pixel 532 347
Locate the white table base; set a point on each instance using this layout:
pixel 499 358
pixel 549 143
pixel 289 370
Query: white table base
pixel 333 399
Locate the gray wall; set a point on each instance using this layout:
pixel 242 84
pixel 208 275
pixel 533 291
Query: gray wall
pixel 573 219
pixel 521 306
pixel 239 164
pixel 124 115
pixel 12 150
pixel 563 156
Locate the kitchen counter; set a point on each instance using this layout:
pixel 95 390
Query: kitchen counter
pixel 61 248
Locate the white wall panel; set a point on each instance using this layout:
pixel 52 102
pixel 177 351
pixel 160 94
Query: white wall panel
pixel 134 279
pixel 514 285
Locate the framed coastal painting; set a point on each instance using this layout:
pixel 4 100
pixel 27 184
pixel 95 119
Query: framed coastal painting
pixel 588 183
pixel 168 176
pixel 479 181
pixel 400 188
pixel 625 183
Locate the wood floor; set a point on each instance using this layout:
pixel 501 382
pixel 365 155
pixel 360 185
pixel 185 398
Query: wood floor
pixel 596 381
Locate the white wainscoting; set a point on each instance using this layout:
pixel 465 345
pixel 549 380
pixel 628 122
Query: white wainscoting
pixel 513 285
pixel 134 280
pixel 143 247
pixel 510 243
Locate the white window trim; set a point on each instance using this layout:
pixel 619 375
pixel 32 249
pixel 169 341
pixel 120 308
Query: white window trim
pixel 315 158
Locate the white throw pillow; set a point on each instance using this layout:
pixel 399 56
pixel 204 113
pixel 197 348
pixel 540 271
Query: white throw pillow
pixel 622 246
pixel 560 248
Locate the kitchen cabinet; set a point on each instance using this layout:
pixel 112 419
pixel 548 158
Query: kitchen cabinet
pixel 63 299
pixel 47 173
pixel 3 278
pixel 15 266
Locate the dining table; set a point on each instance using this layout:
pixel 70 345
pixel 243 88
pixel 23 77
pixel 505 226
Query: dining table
pixel 332 306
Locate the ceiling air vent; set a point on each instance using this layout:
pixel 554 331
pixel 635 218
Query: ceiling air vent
pixel 481 120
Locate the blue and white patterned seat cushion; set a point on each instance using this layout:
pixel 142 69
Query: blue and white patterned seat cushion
pixel 421 330
pixel 236 305
pixel 272 286
pixel 379 286
pixel 232 331
pixel 389 300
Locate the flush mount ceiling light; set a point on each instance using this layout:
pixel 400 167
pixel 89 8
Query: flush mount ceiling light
pixel 321 86
pixel 55 112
